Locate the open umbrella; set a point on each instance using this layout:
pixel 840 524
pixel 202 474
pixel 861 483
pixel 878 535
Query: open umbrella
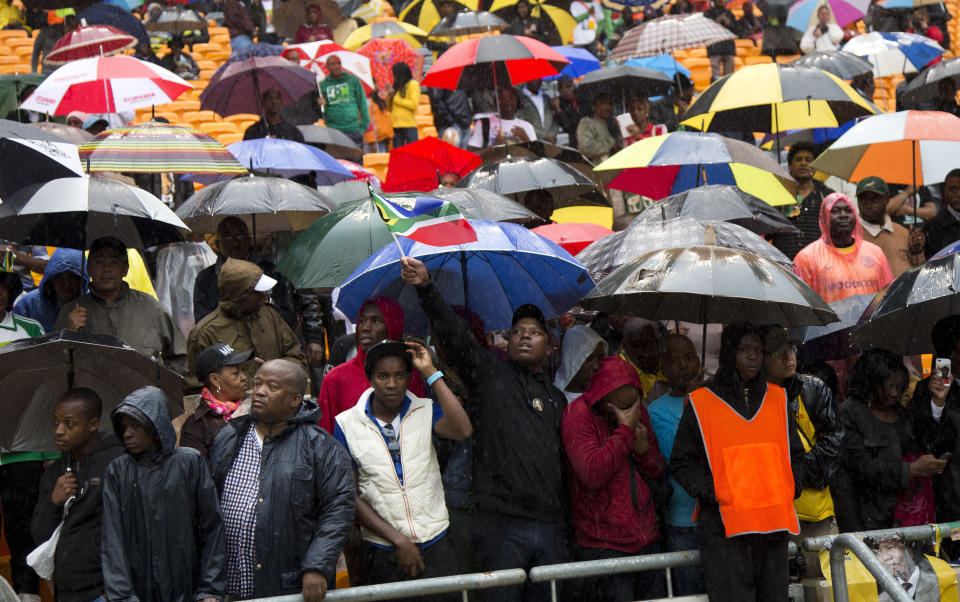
pixel 425 14
pixel 87 41
pixel 803 13
pixel 494 61
pixel 842 64
pixel 289 158
pixel 33 156
pixel 34 373
pixel 558 23
pixel 573 237
pixel 894 53
pixel 314 55
pixel 485 204
pixel 520 175
pixel 626 81
pixel 719 203
pixel 155 147
pixel 73 212
pixel 13 86
pixel 361 174
pixel 664 63
pixel 241 84
pixel 67 132
pixel 669 33
pixel 396 30
pixel 107 84
pixel 663 165
pixel 709 285
pixel 467 22
pixel 384 53
pixel 926 85
pixel 265 205
pixel 115 16
pixel 581 60
pixel 832 342
pixel 177 20
pixel 611 252
pixel 419 165
pixel 334 142
pixel 505 268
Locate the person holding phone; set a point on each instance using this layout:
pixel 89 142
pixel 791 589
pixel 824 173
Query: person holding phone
pixel 825 34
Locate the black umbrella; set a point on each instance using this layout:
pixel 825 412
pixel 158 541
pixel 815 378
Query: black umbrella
pixel 485 204
pixel 31 156
pixel 720 203
pixel 334 142
pixel 73 212
pixel 926 85
pixel 902 316
pixel 832 342
pixel 842 64
pixel 266 204
pixel 520 175
pixel 115 16
pixel 177 20
pixel 627 81
pixel 35 372
pixel 468 22
pixel 538 148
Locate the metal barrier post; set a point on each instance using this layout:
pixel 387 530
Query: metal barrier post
pixel 838 569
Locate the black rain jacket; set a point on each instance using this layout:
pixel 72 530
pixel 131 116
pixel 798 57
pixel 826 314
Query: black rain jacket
pixel 821 462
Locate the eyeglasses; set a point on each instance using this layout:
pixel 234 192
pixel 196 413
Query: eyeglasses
pixel 393 445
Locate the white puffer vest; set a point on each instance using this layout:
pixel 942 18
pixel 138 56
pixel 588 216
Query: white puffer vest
pixel 417 508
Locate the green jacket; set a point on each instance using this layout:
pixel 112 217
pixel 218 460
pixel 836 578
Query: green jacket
pixel 346 105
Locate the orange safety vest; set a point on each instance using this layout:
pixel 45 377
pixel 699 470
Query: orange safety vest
pixel 750 462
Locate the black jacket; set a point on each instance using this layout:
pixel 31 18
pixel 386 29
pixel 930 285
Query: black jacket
pixel 940 231
pixel 691 467
pixel 77 559
pixel 517 456
pixel 938 437
pixel 284 130
pixel 662 112
pixel 315 311
pixel 450 107
pixel 163 539
pixel 308 497
pixel 821 462
pixel 206 293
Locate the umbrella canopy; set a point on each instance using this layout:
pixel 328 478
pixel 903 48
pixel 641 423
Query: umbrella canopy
pixel 239 87
pixel 709 285
pixel 581 60
pixel 626 81
pixel 361 173
pixel 664 63
pixel 842 64
pixel 901 317
pixel 505 268
pixel 520 175
pixel 803 13
pixel 89 41
pixel 115 16
pixel 384 53
pixel 177 20
pixel 334 142
pixel 611 252
pixel 720 203
pixel 666 34
pixel 61 130
pixel 74 212
pixel 663 165
pixel 573 237
pixel 893 53
pixel 419 165
pixel 907 147
pixel 775 98
pixel 424 13
pixel 156 147
pixel 105 84
pixel 832 342
pixel 13 86
pixel 33 156
pixel 314 55
pixel 485 204
pixel 494 61
pixel 289 158
pixel 35 372
pixel 260 49
pixel 265 204
pixel 557 22
pixel 926 85
pixel 467 22
pixel 385 30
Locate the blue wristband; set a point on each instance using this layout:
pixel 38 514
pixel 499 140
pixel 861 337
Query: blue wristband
pixel 434 378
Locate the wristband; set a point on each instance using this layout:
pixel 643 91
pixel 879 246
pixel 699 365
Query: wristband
pixel 434 378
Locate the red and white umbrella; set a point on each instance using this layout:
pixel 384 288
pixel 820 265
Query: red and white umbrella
pixel 361 173
pixel 105 84
pixel 314 55
pixel 89 41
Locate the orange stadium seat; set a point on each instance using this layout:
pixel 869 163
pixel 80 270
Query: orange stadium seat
pixel 377 163
pixel 203 48
pixel 7 34
pixel 756 60
pixel 206 74
pixel 179 106
pixel 697 52
pixel 226 139
pixel 7 59
pixel 199 116
pixel 13 69
pixel 215 128
pixel 218 56
pixel 241 118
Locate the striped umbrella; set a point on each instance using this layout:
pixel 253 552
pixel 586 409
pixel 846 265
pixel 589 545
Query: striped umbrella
pixel 88 41
pixel 155 147
pixel 666 34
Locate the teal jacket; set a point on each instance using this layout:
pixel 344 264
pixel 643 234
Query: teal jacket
pixel 346 105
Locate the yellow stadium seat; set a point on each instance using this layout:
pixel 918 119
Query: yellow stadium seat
pixel 192 94
pixel 5 51
pixel 377 163
pixel 199 116
pixel 243 125
pixel 206 74
pixel 215 128
pixel 756 60
pixel 169 116
pixel 218 56
pixel 424 120
pixel 23 51
pixel 203 48
pixel 8 59
pixel 787 58
pixel 241 118
pixel 697 52
pixel 222 40
pixel 179 106
pixel 18 42
pixel 206 64
pixel 199 84
pixel 218 31
pixel 226 139
pixel 7 34
pixel 737 62
pixel 700 74
pixel 429 131
pixel 679 55
pixel 13 69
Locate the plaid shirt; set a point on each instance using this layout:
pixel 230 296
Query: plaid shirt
pixel 241 490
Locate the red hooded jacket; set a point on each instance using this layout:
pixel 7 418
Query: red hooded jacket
pixel 342 386
pixel 599 468
pixel 834 274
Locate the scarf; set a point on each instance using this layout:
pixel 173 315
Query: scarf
pixel 222 408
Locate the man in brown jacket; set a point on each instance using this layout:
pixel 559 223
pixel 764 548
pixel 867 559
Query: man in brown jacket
pixel 245 321
pixel 903 248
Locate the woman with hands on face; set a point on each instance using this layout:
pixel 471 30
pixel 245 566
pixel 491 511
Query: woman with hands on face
pixel 388 433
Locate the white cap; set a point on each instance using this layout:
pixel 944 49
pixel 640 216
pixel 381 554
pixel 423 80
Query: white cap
pixel 264 284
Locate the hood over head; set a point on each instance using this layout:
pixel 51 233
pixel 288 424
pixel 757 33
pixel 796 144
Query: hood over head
pixel 62 260
pixel 393 318
pixel 825 207
pixel 235 281
pixel 148 406
pixel 613 374
pixel 578 343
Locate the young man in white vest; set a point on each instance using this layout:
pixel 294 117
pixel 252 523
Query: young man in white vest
pixel 388 433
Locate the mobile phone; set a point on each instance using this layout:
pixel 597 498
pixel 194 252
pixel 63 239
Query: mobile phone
pixel 944 369
pixel 946 457
pixel 824 29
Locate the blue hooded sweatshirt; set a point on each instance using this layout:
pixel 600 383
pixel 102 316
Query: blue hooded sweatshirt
pixel 41 303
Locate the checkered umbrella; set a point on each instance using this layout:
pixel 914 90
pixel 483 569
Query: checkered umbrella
pixel 666 34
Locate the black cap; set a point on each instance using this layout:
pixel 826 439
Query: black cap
pixel 529 310
pixel 386 348
pixel 217 356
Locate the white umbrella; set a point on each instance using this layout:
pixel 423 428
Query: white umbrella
pixel 314 55
pixel 894 53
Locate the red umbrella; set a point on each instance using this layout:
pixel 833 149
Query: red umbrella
pixel 90 40
pixel 572 236
pixel 493 61
pixel 384 52
pixel 418 166
pixel 239 87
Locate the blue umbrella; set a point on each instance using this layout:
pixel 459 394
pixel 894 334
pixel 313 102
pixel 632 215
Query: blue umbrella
pixel 115 16
pixel 662 62
pixel 289 158
pixel 581 60
pixel 507 267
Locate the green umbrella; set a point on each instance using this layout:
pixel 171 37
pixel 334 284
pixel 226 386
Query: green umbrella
pixel 11 86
